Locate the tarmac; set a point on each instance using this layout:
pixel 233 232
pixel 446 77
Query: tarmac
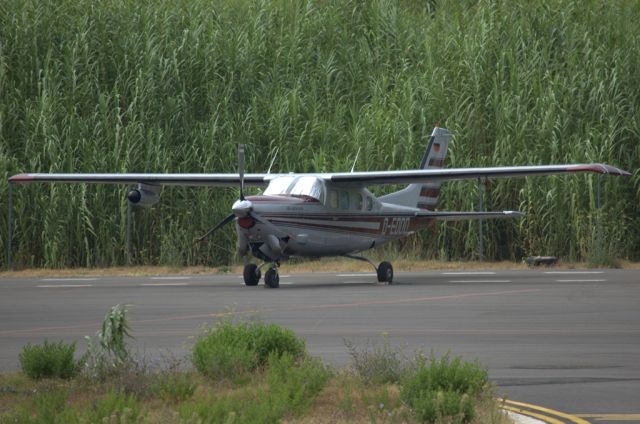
pixel 560 345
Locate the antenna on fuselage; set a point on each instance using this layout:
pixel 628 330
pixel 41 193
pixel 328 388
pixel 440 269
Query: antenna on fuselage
pixel 241 169
pixel 355 160
pixel 275 155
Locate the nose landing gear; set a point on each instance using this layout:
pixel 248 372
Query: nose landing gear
pixel 271 278
pixel 252 274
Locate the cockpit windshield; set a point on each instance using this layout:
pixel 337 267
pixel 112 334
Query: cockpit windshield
pixel 308 187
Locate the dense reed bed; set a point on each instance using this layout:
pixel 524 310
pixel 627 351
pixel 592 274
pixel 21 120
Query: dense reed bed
pixel 173 86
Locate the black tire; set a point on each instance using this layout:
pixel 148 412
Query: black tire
pixel 271 278
pixel 385 272
pixel 251 275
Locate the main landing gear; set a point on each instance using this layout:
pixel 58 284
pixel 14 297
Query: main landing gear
pixel 252 276
pixel 384 270
pixel 252 273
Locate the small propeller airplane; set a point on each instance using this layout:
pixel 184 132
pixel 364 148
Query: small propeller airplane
pixel 326 214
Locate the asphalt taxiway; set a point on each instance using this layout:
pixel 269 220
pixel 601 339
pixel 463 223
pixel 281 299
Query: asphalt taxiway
pixel 565 339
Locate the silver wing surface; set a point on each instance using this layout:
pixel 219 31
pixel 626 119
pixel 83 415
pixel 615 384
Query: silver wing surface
pixel 449 174
pixel 220 180
pixel 359 178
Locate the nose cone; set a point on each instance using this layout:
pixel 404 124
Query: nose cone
pixel 241 208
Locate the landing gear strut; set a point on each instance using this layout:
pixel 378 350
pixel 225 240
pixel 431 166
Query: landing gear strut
pixel 384 270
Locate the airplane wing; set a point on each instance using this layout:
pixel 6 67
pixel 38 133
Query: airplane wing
pixel 362 178
pixel 449 174
pixel 220 180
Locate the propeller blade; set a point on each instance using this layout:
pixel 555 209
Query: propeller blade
pixel 212 229
pixel 241 169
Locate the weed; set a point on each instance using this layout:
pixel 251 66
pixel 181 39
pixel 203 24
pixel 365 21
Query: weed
pixel 48 360
pixel 115 407
pixel 175 386
pixel 108 351
pixel 380 364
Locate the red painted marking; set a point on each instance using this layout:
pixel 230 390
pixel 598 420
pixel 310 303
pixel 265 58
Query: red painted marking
pixel 21 179
pixel 587 168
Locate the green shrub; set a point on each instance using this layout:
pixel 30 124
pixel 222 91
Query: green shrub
pixel 444 388
pixel 270 339
pixel 48 360
pixel 230 349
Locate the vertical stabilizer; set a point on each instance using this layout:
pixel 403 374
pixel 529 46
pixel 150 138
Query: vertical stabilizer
pixel 424 196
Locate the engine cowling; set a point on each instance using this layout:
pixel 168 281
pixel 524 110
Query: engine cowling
pixel 144 195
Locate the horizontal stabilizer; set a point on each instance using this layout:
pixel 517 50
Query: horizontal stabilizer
pixel 462 216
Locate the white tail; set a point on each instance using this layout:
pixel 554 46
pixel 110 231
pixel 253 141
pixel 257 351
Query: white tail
pixel 424 196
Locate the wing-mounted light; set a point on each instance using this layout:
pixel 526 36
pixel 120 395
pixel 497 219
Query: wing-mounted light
pixel 144 195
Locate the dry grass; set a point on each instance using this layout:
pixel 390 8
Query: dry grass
pixel 344 399
pixel 325 265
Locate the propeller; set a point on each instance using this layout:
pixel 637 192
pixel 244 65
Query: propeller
pixel 241 207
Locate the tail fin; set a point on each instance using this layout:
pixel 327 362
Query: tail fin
pixel 424 196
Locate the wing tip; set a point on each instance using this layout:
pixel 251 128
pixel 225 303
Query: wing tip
pixel 21 179
pixel 600 168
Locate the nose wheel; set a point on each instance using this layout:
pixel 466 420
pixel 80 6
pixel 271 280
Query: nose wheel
pixel 271 278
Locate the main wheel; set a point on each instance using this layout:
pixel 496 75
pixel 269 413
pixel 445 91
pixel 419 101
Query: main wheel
pixel 385 272
pixel 251 274
pixel 271 278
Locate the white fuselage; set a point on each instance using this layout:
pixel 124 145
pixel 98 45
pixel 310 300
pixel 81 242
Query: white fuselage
pixel 304 226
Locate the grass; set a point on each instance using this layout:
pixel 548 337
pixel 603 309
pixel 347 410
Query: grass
pixel 166 86
pixel 305 393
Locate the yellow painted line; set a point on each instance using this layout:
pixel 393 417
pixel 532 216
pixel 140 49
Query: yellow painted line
pixel 611 417
pixel 569 417
pixel 541 417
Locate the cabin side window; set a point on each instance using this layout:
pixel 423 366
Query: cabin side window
pixel 357 201
pixel 333 198
pixel 344 199
pixel 369 203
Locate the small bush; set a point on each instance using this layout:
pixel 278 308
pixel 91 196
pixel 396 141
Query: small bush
pixel 379 365
pixel 48 360
pixel 444 388
pixel 228 349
